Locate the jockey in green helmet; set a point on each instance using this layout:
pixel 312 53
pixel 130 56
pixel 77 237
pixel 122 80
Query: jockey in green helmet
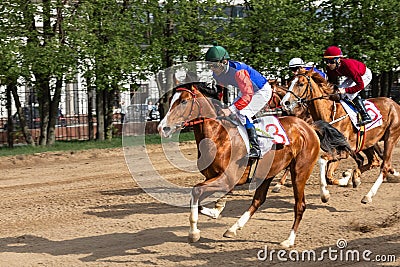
pixel 216 53
pixel 255 90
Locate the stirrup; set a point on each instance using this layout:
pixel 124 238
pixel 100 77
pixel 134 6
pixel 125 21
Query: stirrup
pixel 255 154
pixel 364 122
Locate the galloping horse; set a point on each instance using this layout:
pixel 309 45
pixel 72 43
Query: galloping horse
pixel 279 92
pixel 314 92
pixel 222 155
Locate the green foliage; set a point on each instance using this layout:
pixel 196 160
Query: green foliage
pixel 118 42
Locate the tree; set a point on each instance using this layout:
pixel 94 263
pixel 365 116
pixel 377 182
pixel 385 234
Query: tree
pixel 108 36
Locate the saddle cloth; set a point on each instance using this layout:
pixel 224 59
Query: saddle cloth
pixel 372 110
pixel 269 131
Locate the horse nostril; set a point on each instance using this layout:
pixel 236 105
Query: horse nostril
pixel 287 103
pixel 166 129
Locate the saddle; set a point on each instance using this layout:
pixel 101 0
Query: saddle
pixel 372 110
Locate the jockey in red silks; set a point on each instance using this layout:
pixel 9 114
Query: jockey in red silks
pixel 358 76
pixel 255 90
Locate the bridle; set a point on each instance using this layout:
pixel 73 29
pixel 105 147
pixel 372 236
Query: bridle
pixel 188 121
pixel 306 98
pixel 300 100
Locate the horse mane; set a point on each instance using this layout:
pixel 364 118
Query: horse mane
pixel 203 87
pixel 318 79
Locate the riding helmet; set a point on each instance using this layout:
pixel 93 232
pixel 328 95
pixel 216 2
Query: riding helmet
pixel 216 53
pixel 332 52
pixel 296 62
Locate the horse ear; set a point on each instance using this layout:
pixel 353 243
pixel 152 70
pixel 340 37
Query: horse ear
pixel 194 89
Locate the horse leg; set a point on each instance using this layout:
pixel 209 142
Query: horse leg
pixel 200 192
pixel 386 167
pixel 258 199
pixel 332 166
pixel 215 212
pixel 299 179
pixel 323 184
pixel 391 172
pixel 277 187
pixel 194 232
pixel 373 160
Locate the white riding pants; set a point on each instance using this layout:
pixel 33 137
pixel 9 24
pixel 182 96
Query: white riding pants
pixel 258 101
pixel 367 77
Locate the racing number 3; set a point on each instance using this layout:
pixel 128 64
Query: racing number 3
pixel 275 132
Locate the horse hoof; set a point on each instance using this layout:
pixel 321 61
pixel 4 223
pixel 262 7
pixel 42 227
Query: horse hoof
pixel 356 183
pixel 286 244
pixel 392 178
pixel 329 181
pixel 366 200
pixel 276 189
pixel 343 183
pixel 230 234
pixel 335 182
pixel 346 174
pixel 194 236
pixel 325 198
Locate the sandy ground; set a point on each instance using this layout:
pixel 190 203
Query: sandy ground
pixel 84 209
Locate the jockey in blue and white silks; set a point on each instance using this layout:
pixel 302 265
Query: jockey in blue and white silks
pixel 255 90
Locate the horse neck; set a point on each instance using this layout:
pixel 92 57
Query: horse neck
pixel 320 109
pixel 211 129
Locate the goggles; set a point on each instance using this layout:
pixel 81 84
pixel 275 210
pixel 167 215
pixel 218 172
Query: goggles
pixel 214 65
pixel 330 60
pixel 294 69
pixel 217 66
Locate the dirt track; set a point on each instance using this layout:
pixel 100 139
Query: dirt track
pixel 84 209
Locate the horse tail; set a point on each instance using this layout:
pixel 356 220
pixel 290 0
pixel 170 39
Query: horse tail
pixel 332 141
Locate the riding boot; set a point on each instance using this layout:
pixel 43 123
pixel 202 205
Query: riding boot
pixel 359 103
pixel 255 151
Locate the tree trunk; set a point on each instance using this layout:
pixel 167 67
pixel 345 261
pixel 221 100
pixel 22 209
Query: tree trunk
pixel 384 84
pixel 109 106
pixel 10 123
pixel 44 107
pixel 24 126
pixel 391 79
pixel 375 85
pixel 90 94
pixel 100 115
pixel 51 136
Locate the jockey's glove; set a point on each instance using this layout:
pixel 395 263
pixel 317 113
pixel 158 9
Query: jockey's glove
pixel 335 87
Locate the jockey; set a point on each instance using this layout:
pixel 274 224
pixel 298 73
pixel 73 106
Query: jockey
pixel 358 76
pixel 255 90
pixel 296 64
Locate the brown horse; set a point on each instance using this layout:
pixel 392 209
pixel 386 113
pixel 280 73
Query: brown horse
pixel 279 91
pixel 315 92
pixel 222 155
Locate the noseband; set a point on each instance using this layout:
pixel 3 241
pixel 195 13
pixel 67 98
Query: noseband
pixel 303 98
pixel 188 121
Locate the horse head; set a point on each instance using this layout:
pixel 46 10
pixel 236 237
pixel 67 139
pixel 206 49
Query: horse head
pixel 189 103
pixel 305 88
pixel 294 98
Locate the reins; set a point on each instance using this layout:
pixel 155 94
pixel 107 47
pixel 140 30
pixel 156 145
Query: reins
pixel 190 122
pixel 302 100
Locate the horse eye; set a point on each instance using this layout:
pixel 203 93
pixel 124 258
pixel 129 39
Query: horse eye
pixel 301 84
pixel 184 102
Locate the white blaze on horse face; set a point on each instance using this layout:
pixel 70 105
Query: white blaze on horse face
pixel 287 96
pixel 164 123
